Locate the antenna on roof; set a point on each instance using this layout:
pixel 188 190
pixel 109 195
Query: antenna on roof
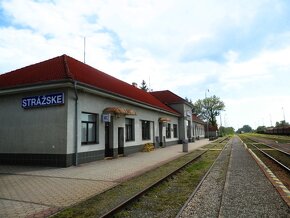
pixel 84 49
pixel 149 84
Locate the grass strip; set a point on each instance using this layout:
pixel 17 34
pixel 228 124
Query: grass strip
pixel 102 203
pixel 278 138
pixel 168 198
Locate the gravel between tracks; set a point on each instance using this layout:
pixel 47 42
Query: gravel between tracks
pixel 206 202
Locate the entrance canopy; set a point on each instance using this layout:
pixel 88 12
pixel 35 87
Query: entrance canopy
pixel 119 111
pixel 164 119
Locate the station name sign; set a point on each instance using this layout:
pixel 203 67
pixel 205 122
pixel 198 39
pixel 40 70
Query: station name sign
pixel 43 100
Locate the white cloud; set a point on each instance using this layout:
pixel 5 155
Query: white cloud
pixel 256 111
pixel 136 40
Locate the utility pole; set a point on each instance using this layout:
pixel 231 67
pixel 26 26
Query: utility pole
pixel 207 129
pixel 283 114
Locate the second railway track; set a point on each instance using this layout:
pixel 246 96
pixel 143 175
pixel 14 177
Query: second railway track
pixel 137 204
pixel 279 156
pixel 277 160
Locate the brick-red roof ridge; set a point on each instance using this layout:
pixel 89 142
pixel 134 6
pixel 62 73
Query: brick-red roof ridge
pixel 45 71
pixel 195 118
pixel 68 73
pixel 168 97
pixel 67 68
pixel 96 78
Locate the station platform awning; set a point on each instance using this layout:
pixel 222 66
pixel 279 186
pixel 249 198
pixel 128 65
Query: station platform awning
pixel 164 119
pixel 119 111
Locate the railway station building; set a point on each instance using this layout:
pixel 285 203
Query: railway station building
pixel 198 127
pixel 62 112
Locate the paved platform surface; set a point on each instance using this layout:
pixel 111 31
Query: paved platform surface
pixel 236 187
pixel 27 191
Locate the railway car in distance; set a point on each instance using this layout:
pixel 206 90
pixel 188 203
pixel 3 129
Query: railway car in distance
pixel 282 130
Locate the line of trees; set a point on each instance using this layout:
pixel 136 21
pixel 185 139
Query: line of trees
pixel 247 128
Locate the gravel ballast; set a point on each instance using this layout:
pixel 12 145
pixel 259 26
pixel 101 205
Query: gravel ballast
pixel 206 201
pixel 248 193
pixel 236 187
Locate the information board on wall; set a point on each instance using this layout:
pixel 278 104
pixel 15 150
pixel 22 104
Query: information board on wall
pixel 43 100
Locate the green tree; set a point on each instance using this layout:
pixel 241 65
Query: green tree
pixel 188 101
pixel 282 123
pixel 223 131
pixel 144 86
pixel 209 108
pixel 245 129
pixel 261 129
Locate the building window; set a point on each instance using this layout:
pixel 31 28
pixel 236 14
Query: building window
pixel 145 130
pixel 168 131
pixel 129 125
pixel 89 128
pixel 175 130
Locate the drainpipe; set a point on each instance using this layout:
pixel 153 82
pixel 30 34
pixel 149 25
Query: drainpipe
pixel 76 123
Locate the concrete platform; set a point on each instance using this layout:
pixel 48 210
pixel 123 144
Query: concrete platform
pixel 27 191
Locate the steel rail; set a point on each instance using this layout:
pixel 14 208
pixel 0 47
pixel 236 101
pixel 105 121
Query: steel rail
pixel 200 183
pixel 142 192
pixel 272 158
pixel 224 139
pixel 263 143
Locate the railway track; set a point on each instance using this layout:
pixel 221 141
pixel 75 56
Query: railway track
pixel 280 157
pixel 271 143
pixel 191 205
pixel 172 174
pixel 273 158
pixel 274 162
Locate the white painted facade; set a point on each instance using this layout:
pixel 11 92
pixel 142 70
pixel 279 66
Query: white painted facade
pixel 49 132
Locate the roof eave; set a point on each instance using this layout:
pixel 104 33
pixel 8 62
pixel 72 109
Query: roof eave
pixel 112 95
pixel 36 86
pixel 68 84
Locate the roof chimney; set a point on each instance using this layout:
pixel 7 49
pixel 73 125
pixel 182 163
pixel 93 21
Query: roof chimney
pixel 135 84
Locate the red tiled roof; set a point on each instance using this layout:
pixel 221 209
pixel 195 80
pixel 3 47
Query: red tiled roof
pixel 212 128
pixel 197 119
pixel 49 70
pixel 168 97
pixel 67 68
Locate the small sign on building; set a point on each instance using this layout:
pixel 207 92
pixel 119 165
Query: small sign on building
pixel 106 118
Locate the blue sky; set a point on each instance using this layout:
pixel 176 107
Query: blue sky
pixel 239 50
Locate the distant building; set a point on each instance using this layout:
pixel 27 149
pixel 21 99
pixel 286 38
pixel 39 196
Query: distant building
pixel 61 112
pixel 183 107
pixel 212 131
pixel 198 127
